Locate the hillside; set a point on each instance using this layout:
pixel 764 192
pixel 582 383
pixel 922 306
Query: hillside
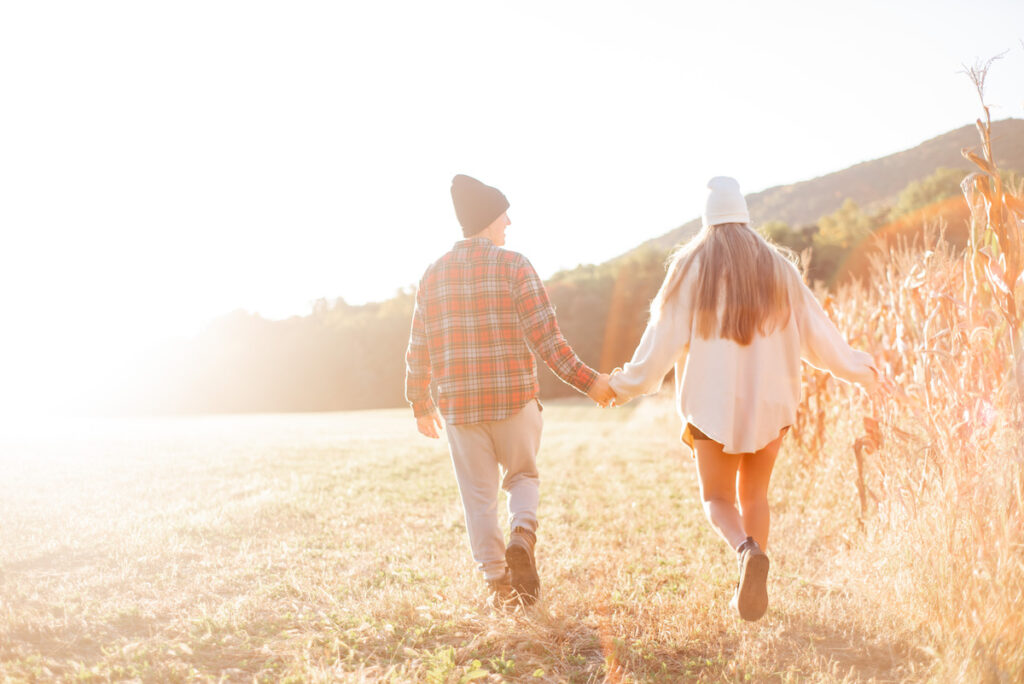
pixel 870 182
pixel 345 357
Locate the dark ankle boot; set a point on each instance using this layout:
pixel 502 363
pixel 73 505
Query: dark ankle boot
pixel 522 565
pixel 751 597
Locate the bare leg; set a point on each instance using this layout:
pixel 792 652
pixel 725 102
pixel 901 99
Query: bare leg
pixel 755 471
pixel 724 478
pixel 716 471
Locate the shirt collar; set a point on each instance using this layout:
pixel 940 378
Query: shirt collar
pixel 471 242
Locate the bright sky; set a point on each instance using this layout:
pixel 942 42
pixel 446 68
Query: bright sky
pixel 165 163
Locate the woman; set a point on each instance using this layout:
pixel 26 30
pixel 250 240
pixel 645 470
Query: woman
pixel 734 318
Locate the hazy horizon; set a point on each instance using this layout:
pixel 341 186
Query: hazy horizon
pixel 164 166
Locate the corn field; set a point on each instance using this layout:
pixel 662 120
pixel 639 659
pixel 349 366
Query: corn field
pixel 938 463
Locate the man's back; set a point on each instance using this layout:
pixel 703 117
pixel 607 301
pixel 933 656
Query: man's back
pixel 470 302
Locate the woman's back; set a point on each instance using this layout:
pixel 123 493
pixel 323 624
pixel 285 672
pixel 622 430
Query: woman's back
pixel 734 318
pixel 742 287
pixel 738 393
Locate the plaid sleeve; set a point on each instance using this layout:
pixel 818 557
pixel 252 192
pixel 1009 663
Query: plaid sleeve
pixel 417 363
pixel 542 334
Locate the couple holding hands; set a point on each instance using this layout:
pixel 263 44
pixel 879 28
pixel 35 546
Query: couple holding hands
pixel 732 317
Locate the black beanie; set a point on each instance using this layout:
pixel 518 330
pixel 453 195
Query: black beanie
pixel 476 204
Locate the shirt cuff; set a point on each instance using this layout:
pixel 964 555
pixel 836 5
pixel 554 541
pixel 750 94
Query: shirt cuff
pixel 423 408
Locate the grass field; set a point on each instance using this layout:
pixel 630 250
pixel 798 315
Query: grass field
pixel 332 546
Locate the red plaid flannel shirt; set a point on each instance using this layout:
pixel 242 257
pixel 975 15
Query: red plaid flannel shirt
pixel 479 311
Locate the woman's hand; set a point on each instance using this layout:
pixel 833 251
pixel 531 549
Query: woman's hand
pixel 615 400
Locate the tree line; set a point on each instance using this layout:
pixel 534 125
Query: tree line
pixel 342 357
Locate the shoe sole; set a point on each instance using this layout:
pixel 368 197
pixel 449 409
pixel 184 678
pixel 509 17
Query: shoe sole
pixel 752 595
pixel 524 575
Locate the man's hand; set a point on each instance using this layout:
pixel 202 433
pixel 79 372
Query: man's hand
pixel 429 424
pixel 601 391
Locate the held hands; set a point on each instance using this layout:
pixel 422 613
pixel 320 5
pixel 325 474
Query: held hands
pixel 429 424
pixel 601 391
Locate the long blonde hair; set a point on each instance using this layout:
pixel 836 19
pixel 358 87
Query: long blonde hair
pixel 755 274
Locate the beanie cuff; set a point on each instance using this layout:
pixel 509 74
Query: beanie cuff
pixel 470 232
pixel 734 217
pixel 470 229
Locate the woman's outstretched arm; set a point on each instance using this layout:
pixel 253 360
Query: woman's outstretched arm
pixel 664 343
pixel 822 346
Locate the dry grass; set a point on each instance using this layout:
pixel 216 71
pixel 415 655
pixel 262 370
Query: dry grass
pixel 332 547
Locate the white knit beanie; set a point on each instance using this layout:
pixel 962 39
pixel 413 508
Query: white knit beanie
pixel 725 203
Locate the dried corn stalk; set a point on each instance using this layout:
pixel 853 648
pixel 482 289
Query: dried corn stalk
pixel 997 234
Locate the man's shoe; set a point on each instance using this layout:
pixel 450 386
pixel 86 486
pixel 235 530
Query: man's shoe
pixel 751 597
pixel 500 591
pixel 522 566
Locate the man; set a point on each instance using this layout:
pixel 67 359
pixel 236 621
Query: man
pixel 479 311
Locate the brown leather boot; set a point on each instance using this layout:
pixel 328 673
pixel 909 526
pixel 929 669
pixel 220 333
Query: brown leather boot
pixel 522 565
pixel 751 597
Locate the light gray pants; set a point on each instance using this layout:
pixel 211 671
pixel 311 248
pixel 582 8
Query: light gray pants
pixel 481 452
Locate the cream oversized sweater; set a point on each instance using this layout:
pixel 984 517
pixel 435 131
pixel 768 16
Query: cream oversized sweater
pixel 740 396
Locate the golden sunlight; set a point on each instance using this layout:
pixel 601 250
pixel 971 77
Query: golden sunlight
pixel 285 397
